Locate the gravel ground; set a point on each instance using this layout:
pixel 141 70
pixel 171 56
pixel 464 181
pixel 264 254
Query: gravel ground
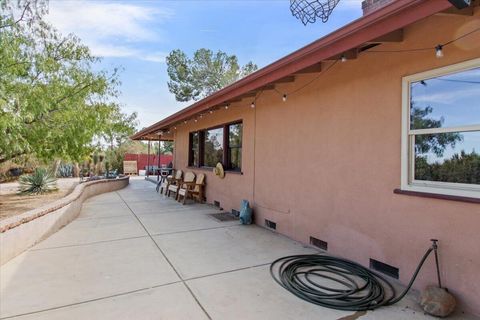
pixel 12 203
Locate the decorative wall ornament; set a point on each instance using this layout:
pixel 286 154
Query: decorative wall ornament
pixel 309 10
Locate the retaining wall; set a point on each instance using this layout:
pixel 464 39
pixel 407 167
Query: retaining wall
pixel 18 233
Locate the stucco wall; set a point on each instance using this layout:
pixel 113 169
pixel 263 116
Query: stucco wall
pixel 325 163
pixel 18 233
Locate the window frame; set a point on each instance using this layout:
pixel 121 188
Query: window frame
pixel 408 181
pixel 225 146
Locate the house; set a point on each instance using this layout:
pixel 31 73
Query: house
pixel 350 142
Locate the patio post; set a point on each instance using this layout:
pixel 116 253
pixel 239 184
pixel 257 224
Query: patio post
pixel 159 155
pixel 148 158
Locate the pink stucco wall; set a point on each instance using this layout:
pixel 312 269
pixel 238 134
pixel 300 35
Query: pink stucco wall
pixel 325 163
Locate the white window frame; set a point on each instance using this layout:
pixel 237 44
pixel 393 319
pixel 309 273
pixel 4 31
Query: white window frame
pixel 408 183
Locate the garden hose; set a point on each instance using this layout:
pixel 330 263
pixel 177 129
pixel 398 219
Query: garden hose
pixel 356 287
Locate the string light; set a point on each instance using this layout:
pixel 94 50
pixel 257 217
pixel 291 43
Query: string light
pixel 439 51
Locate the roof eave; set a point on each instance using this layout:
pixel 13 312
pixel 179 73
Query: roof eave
pixel 393 16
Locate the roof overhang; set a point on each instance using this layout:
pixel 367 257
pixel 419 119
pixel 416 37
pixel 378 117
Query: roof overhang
pixel 394 16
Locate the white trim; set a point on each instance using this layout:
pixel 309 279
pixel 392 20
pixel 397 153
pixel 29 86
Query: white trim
pixel 474 127
pixel 408 182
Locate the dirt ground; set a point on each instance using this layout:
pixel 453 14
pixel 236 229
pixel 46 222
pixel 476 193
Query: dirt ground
pixel 12 203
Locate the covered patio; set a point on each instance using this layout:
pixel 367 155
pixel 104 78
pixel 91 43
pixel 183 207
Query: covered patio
pixel 135 254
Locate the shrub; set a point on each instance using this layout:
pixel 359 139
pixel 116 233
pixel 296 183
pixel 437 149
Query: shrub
pixel 65 170
pixel 41 181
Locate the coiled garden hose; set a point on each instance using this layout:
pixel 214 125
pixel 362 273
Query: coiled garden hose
pixel 357 288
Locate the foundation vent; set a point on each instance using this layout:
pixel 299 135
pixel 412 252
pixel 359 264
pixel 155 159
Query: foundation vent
pixel 319 243
pixel 216 203
pixel 235 213
pixel 384 268
pixel 270 224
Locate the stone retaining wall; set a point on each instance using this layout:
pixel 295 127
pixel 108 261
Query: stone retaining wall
pixel 18 233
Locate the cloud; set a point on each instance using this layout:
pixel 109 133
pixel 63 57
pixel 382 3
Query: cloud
pixel 111 29
pixel 447 97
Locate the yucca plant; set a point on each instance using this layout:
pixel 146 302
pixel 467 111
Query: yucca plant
pixel 41 181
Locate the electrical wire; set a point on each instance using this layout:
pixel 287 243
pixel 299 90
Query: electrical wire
pixel 355 288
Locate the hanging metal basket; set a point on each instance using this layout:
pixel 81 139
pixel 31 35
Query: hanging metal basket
pixel 308 11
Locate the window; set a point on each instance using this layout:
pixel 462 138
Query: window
pixel 234 154
pixel 220 144
pixel 441 130
pixel 213 147
pixel 194 155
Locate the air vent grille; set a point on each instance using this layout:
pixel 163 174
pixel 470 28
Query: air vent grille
pixel 270 224
pixel 384 268
pixel 319 243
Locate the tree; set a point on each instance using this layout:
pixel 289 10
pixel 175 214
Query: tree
pixel 52 104
pixel 166 147
pixel 205 73
pixel 437 143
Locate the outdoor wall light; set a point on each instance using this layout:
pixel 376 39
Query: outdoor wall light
pixel 284 98
pixel 439 51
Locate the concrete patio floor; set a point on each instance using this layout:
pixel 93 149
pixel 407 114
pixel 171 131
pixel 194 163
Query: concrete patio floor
pixel 134 254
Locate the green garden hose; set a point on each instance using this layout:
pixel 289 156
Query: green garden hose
pixel 356 287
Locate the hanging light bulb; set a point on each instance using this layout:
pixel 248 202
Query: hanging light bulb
pixel 284 98
pixel 227 106
pixel 174 128
pixel 185 121
pixel 344 58
pixel 211 111
pixel 439 51
pixel 201 116
pixel 196 120
pixel 252 105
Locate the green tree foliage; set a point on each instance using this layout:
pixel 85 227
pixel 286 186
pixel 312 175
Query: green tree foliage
pixel 165 148
pixel 115 156
pixel 436 143
pixel 207 72
pixel 52 103
pixel 460 168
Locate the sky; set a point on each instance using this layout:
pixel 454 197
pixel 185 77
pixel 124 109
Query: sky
pixel 137 35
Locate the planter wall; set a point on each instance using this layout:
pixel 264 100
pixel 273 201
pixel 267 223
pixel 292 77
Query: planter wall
pixel 19 233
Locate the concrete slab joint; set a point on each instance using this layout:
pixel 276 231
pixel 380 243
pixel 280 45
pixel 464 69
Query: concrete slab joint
pixel 18 233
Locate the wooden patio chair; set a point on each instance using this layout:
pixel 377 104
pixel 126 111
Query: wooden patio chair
pixel 173 179
pixel 192 189
pixel 162 185
pixel 177 182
